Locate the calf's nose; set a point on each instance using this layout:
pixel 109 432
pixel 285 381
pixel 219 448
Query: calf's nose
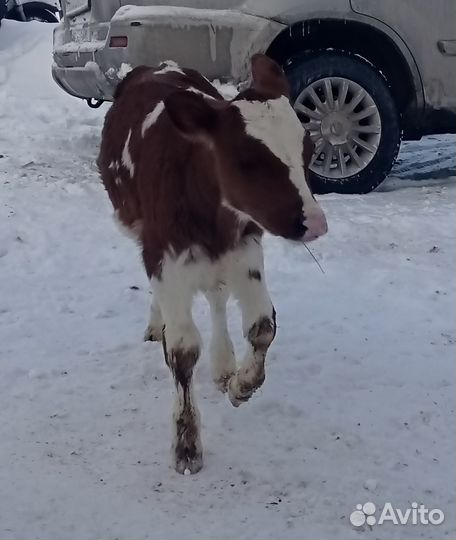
pixel 316 225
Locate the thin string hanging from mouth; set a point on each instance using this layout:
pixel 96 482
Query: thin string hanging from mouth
pixel 315 259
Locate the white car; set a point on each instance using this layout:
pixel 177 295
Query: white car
pixel 363 73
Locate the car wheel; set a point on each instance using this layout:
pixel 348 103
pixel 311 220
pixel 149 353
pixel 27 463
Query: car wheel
pixel 346 106
pixel 39 14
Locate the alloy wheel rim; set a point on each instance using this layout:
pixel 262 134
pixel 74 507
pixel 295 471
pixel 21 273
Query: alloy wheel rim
pixel 344 123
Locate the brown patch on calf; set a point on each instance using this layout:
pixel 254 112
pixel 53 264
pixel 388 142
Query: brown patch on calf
pixel 182 363
pixel 262 333
pixel 193 117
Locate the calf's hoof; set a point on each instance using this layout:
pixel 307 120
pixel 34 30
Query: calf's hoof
pixel 187 449
pixel 188 463
pixel 240 392
pixel 153 333
pixel 222 382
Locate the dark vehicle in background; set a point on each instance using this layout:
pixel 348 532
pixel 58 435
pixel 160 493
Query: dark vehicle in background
pixel 2 10
pixel 30 10
pixel 364 73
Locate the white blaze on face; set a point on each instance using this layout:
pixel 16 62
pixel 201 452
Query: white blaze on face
pixel 275 124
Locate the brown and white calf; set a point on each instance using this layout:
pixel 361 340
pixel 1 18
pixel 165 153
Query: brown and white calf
pixel 195 179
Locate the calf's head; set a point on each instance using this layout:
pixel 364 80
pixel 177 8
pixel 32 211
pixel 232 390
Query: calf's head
pixel 261 151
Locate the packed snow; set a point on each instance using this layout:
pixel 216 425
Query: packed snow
pixel 358 404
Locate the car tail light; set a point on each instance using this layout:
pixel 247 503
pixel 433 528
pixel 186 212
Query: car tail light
pixel 118 41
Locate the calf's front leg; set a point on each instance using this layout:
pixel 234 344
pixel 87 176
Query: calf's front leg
pixel 258 320
pixel 221 349
pixel 181 347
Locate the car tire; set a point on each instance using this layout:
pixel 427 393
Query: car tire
pixel 39 14
pixel 355 150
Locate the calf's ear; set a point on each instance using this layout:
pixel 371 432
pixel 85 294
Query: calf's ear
pixel 269 77
pixel 192 115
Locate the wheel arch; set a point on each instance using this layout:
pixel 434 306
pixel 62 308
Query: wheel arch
pixel 372 40
pixel 41 5
pixel 15 14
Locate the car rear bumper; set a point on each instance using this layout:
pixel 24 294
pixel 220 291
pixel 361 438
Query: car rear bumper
pixel 217 43
pixel 82 60
pixel 83 82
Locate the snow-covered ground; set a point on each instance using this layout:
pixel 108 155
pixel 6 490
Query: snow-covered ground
pixel 359 399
